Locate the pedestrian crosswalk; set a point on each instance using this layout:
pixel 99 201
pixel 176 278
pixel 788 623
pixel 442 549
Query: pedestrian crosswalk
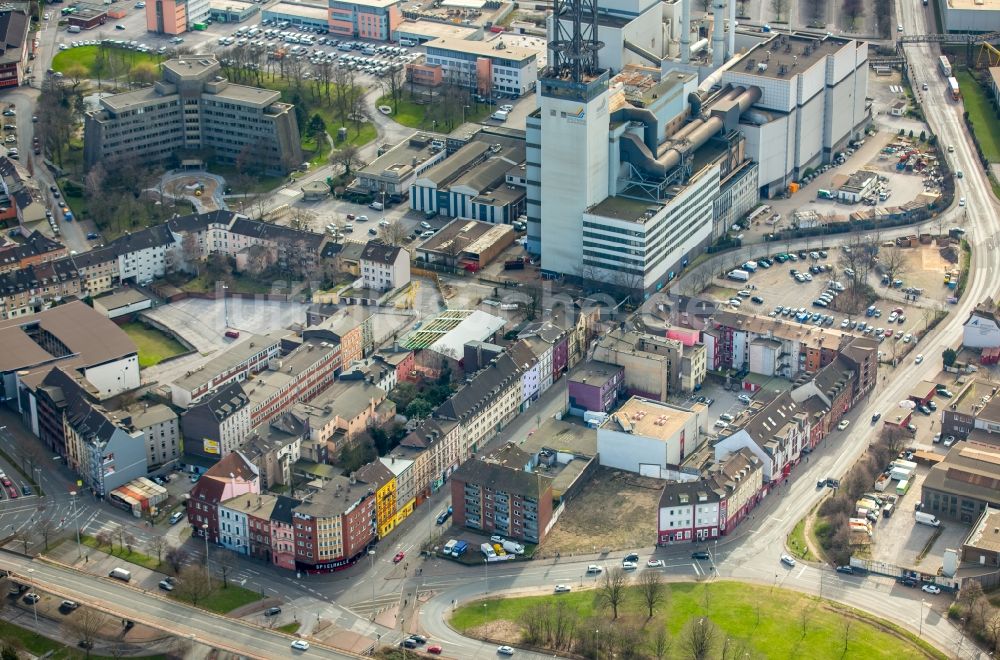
pixel 381 604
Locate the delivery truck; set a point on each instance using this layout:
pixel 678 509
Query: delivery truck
pixel 927 519
pixel 738 275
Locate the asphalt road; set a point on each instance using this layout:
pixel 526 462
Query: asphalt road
pixel 122 601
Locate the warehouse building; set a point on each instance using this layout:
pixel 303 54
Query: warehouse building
pixel 468 244
pixel 483 180
pixel 298 15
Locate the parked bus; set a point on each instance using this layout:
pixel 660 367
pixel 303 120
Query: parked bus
pixel 945 66
pixel 953 86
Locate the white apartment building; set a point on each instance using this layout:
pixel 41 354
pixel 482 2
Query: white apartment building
pixel 234 530
pixel 384 267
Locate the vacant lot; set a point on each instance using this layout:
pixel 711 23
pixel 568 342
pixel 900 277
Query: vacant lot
pixel 615 511
pixel 757 620
pixel 154 346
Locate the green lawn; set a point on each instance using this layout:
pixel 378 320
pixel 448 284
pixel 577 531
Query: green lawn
pixel 796 542
pixel 117 63
pixel 133 557
pixel 422 116
pixel 205 283
pixel 225 600
pixel 40 646
pixel 154 346
pixel 769 620
pixel 981 114
pixel 290 628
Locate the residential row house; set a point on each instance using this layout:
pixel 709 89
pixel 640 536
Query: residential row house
pixel 37 248
pixel 142 256
pixel 655 367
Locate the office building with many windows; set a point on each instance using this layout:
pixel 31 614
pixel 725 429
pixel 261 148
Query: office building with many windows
pixel 191 112
pixel 488 67
pixel 366 19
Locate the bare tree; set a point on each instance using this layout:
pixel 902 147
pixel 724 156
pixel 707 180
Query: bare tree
pixel 779 7
pixel 393 234
pixel 892 261
pixel 847 623
pixel 347 157
pixel 46 529
pixel 128 540
pixel 226 564
pixel 392 85
pixel 193 584
pixel 85 625
pixel 158 544
pixel 177 556
pixel 660 643
pixel 104 538
pixel 853 10
pixel 805 615
pixel 699 637
pixel 652 590
pixel 612 591
pixel 734 648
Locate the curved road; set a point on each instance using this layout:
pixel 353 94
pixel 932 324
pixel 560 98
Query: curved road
pixel 126 602
pixel 754 555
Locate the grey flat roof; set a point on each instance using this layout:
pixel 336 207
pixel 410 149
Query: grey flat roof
pixel 127 99
pixel 246 94
pixel 235 355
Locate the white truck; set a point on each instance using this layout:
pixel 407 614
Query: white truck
pixel 927 519
pixel 738 275
pixel 499 115
pixel 594 419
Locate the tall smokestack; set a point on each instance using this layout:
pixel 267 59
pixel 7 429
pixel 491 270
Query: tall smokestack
pixel 685 31
pixel 718 32
pixel 731 48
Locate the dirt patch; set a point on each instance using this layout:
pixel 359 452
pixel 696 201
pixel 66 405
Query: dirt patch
pixel 616 511
pixel 949 254
pixel 496 630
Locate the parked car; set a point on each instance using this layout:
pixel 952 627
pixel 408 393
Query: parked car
pixel 68 605
pixel 505 650
pixel 701 554
pixel 300 645
pixel 844 423
pixel 931 588
pixel 845 569
pixel 655 563
pixel 562 588
pixel 399 557
pixel 166 586
pixel 788 560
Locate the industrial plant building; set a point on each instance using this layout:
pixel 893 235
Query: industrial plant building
pixel 656 158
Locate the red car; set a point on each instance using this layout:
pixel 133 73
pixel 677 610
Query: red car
pixel 12 491
pixel 5 481
pixel 398 558
pixel 436 650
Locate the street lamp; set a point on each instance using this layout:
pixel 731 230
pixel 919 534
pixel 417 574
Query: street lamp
pixel 922 604
pixel 208 570
pixel 464 108
pixel 597 643
pixel 371 563
pixel 486 570
pixel 34 601
pixel 225 303
pixel 76 520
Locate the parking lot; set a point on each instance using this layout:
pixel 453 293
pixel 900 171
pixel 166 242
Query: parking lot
pixel 777 286
pixel 900 539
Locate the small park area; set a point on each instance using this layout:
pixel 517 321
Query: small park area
pixel 718 619
pixel 154 346
pixel 107 63
pixel 430 114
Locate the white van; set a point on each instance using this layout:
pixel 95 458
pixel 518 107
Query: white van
pixel 75 29
pixel 377 206
pixel 499 115
pixel 407 42
pixel 120 574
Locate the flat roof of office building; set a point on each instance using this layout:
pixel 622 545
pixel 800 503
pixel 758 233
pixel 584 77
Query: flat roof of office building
pixel 244 94
pixel 434 30
pixel 624 208
pixel 315 12
pixel 484 48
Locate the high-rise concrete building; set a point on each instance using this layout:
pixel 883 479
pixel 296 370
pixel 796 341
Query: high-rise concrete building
pixel 193 112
